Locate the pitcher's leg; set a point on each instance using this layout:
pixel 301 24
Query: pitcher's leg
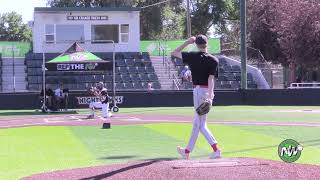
pixel 203 120
pixel 206 132
pixel 194 133
pixel 196 120
pixel 184 152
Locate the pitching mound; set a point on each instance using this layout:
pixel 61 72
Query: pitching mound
pixel 228 168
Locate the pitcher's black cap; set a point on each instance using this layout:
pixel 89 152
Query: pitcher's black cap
pixel 201 39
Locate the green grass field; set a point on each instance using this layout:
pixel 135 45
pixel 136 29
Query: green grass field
pixel 29 150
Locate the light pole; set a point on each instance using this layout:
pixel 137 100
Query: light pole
pixel 188 19
pixel 243 44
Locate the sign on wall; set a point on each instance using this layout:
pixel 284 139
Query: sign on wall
pixel 16 49
pixel 86 100
pixel 154 47
pixel 87 18
pixel 77 67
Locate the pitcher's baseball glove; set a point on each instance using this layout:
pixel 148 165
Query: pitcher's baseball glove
pixel 204 107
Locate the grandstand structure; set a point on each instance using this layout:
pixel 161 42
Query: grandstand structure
pixel 134 69
pixel 229 75
pixel 0 72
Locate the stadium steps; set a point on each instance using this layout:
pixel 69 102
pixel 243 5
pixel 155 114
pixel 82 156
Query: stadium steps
pixel 162 73
pixel 17 75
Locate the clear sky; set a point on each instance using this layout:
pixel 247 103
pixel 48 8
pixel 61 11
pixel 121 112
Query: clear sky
pixel 23 7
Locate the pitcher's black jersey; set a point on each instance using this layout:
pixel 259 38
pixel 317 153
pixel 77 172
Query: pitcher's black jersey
pixel 201 65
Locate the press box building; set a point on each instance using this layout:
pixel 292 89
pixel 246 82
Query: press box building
pixel 55 28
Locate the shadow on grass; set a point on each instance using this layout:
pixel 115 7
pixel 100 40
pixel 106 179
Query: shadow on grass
pixel 124 169
pixel 118 157
pixel 160 159
pixel 137 158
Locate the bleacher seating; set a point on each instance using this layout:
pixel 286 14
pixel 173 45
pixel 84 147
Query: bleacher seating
pixel 134 71
pixel 0 73
pixel 229 75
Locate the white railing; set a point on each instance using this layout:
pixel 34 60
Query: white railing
pixel 176 82
pixel 166 62
pixel 304 86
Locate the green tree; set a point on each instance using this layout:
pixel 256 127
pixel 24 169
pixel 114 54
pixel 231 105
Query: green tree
pixel 150 19
pixel 206 13
pixel 163 21
pixel 12 28
pixel 155 21
pixel 172 25
pixel 286 32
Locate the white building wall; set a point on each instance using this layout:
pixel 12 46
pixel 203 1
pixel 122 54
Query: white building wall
pixel 114 17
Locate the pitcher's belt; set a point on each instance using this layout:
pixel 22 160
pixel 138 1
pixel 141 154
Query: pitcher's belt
pixel 200 86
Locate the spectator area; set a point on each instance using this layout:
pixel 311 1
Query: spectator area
pixel 0 72
pixel 229 75
pixel 134 71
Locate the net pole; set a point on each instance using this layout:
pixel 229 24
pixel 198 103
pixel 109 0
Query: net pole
pixel 243 44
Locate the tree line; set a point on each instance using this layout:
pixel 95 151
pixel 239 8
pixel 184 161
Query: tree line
pixel 287 32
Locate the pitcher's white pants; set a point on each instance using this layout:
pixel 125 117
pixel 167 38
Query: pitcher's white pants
pixel 103 106
pixel 199 122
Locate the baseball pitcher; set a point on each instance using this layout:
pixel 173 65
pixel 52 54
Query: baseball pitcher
pixel 204 68
pixel 101 92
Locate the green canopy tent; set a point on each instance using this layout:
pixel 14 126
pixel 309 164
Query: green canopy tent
pixel 77 59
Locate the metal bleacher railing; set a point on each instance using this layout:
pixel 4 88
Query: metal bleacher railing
pixel 176 83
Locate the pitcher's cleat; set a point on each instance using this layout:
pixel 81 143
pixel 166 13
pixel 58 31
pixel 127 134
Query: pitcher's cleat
pixel 216 155
pixel 182 152
pixel 90 117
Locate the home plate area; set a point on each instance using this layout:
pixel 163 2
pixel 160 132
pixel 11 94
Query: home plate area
pixel 170 169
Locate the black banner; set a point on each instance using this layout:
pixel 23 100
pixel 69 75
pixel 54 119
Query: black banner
pixel 78 66
pixel 86 100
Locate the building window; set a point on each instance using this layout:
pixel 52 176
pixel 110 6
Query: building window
pixel 124 33
pixel 105 32
pixel 50 33
pixel 70 33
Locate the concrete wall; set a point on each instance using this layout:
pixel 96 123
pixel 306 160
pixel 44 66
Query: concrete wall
pixel 114 17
